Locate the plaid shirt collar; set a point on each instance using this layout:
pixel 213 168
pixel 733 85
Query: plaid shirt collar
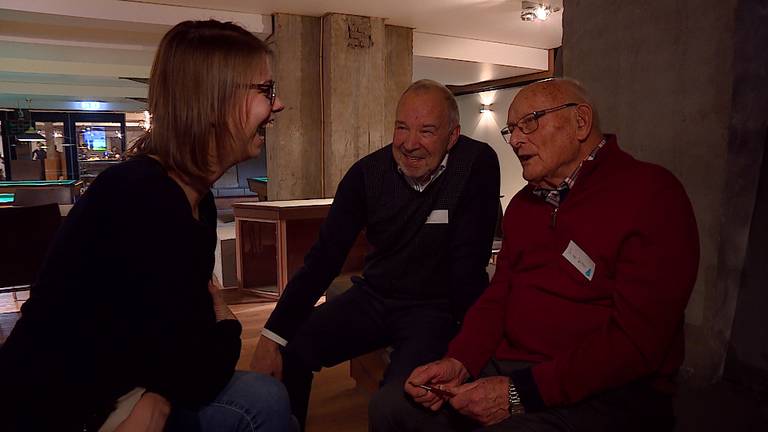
pixel 556 196
pixel 419 187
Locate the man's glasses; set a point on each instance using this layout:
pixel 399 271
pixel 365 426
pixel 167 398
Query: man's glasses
pixel 268 89
pixel 529 123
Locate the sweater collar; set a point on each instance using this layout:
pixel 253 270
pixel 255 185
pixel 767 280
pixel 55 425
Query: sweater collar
pixel 420 187
pixel 557 195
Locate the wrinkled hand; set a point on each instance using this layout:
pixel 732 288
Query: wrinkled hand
pixel 149 414
pixel 444 374
pixel 485 400
pixel 220 307
pixel 267 358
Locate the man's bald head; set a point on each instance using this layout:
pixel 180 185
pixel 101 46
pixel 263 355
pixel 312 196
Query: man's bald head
pixel 558 91
pixel 552 127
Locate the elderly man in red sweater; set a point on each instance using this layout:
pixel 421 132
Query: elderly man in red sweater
pixel 581 328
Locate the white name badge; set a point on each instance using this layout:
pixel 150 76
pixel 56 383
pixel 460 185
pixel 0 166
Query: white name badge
pixel 579 259
pixel 438 217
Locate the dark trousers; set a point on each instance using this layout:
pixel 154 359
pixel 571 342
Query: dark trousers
pixel 635 407
pixel 358 322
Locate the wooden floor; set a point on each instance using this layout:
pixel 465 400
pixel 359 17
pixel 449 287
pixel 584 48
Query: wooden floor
pixel 335 405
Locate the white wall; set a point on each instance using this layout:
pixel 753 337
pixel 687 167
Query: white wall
pixel 486 127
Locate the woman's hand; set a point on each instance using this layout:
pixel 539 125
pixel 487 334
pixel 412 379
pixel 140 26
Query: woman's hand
pixel 219 305
pixel 148 415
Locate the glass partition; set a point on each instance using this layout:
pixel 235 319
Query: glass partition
pixel 99 145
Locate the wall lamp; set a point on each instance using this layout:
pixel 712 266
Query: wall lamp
pixel 486 108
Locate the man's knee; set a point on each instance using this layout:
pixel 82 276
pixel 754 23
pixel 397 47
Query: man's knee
pixel 250 401
pixel 387 406
pixel 263 392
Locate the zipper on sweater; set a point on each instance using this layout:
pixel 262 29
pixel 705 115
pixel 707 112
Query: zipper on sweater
pixel 554 217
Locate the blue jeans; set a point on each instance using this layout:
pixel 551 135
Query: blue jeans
pixel 249 402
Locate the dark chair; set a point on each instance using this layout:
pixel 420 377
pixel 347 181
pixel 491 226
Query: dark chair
pixel 26 235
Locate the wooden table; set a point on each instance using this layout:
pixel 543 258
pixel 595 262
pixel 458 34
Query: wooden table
pixel 272 239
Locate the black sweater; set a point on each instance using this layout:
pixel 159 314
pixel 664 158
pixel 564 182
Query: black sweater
pixel 121 302
pixel 409 257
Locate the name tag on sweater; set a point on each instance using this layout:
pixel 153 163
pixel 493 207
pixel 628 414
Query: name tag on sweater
pixel 579 259
pixel 438 217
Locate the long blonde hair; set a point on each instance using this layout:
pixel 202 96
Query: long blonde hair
pixel 198 85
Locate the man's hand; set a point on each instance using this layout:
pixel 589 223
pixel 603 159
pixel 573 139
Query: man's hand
pixel 485 400
pixel 149 414
pixel 444 374
pixel 267 358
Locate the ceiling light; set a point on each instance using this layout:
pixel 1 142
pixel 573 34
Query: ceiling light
pixel 535 11
pixel 30 135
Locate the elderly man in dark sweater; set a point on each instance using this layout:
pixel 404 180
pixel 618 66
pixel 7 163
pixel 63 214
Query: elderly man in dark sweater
pixel 581 328
pixel 428 203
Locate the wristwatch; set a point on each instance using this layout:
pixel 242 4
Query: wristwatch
pixel 515 406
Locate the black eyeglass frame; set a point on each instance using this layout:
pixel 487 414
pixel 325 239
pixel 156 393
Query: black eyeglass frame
pixel 268 89
pixel 506 132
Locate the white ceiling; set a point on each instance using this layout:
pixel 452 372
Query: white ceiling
pixel 457 72
pixel 488 20
pixel 59 53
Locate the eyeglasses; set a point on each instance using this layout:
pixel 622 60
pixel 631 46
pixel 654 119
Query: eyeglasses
pixel 529 123
pixel 268 89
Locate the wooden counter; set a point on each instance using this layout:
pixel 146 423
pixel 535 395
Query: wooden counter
pixel 272 239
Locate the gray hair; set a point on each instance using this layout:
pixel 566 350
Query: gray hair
pixel 428 85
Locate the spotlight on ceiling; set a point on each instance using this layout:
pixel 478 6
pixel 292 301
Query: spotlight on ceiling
pixel 535 11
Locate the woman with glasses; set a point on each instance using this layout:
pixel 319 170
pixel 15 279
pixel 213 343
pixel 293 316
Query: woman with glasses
pixel 152 345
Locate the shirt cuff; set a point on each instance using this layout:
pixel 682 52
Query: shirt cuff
pixel 273 337
pixel 527 390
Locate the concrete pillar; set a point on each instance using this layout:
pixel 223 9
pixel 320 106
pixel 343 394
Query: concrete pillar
pixel 399 70
pixel 358 89
pixel 294 144
pixel 339 105
pixel 354 49
pixel 662 74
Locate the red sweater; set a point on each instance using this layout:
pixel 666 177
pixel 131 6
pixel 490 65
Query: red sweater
pixel 634 220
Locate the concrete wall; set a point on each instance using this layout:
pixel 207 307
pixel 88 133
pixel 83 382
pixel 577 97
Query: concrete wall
pixel 662 74
pixel 486 126
pixel 747 360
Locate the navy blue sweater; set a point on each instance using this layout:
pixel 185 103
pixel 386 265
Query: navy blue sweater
pixel 409 258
